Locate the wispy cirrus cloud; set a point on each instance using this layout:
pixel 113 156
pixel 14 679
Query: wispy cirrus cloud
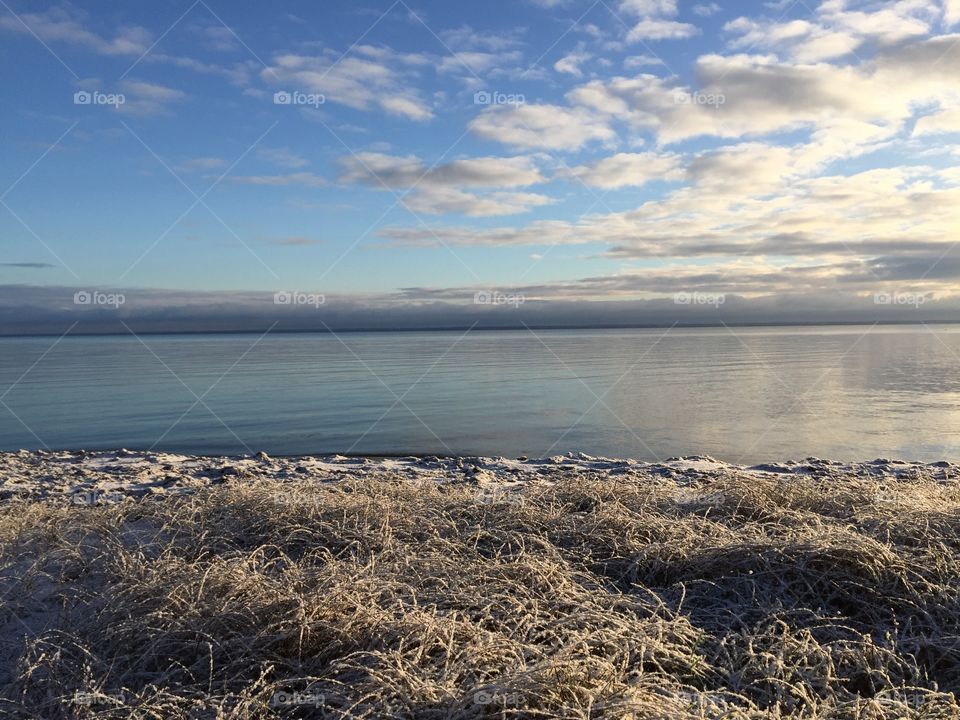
pixel 298 178
pixel 64 24
pixel 370 77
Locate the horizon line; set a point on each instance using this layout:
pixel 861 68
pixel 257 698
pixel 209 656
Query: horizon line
pixel 488 328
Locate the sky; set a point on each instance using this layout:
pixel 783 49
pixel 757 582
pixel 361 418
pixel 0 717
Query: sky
pixel 423 163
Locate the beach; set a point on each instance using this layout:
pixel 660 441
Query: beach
pixel 160 585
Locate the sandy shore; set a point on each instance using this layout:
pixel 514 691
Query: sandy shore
pixel 141 585
pixel 106 477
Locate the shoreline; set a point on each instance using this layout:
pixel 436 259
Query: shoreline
pixel 112 475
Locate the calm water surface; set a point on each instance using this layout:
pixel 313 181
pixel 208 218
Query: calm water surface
pixel 743 395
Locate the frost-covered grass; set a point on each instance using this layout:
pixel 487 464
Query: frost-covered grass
pixel 597 596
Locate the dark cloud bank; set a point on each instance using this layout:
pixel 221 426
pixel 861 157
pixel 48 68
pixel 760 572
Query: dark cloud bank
pixel 28 310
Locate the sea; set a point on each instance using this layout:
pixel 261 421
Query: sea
pixel 742 395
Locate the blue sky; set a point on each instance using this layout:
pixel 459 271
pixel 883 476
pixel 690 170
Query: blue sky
pixel 562 150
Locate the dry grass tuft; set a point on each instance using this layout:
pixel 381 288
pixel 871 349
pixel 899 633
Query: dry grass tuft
pixel 626 596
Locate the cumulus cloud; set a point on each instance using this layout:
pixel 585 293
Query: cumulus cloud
pixel 706 9
pixel 654 21
pixel 646 8
pixel 659 29
pixel 951 12
pixel 571 62
pixel 757 95
pixel 877 226
pixel 835 31
pixel 547 127
pixel 939 123
pixel 448 188
pixel 628 169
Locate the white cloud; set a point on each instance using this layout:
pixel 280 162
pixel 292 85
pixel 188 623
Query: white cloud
pixel 448 201
pixel 951 12
pixel 148 99
pixel 547 127
pixel 762 95
pixel 467 38
pixel 835 31
pixel 571 62
pixel 656 29
pixel 647 8
pixel 441 189
pixel 407 107
pixel 891 23
pixel 636 62
pixel 800 40
pixel 368 78
pixel 877 225
pixel 300 178
pixel 238 73
pixel 939 123
pixel 217 37
pixel 377 169
pixel 61 24
pixel 282 157
pixel 627 169
pixel 474 63
pixel 706 9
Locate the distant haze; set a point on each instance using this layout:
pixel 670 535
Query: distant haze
pixel 52 310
